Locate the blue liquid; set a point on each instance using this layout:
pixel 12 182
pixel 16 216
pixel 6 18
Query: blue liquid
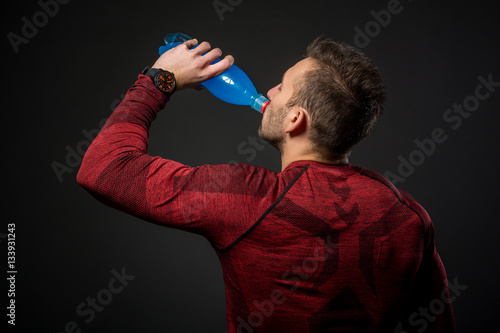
pixel 233 86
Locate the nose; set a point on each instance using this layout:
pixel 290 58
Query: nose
pixel 272 92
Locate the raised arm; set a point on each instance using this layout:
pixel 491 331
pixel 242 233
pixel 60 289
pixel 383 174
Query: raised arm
pixel 116 168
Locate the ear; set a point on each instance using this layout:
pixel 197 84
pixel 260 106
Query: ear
pixel 296 121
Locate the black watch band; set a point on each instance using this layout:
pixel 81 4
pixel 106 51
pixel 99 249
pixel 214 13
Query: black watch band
pixel 163 80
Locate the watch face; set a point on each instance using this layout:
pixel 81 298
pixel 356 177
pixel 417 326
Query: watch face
pixel 166 82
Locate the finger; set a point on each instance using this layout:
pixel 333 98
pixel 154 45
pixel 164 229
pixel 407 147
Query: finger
pixel 212 55
pixel 191 43
pixel 221 66
pixel 230 59
pixel 203 47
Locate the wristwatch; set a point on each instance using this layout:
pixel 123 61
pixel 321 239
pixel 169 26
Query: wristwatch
pixel 163 80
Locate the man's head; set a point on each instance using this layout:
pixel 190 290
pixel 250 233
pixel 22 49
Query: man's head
pixel 333 97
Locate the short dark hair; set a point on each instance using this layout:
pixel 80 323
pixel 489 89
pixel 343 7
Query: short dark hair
pixel 343 94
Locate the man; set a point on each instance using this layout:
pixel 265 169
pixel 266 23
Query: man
pixel 321 246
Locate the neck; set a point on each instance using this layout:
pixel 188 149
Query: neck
pixel 289 156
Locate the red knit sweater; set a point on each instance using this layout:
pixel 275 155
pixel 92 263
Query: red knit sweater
pixel 314 248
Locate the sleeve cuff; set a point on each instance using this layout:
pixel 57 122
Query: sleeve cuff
pixel 148 84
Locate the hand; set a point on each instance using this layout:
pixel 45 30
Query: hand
pixel 191 66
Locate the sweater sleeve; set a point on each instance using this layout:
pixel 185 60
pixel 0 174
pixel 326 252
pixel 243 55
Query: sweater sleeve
pixel 429 308
pixel 118 172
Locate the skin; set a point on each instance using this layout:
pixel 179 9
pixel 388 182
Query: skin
pixel 287 128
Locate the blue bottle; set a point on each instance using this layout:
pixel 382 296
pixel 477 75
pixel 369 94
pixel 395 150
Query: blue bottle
pixel 233 86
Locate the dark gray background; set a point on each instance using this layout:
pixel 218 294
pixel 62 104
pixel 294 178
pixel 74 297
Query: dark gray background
pixel 67 78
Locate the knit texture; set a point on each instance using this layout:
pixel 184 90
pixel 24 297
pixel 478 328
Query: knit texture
pixel 314 248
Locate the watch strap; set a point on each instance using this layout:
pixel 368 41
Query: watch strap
pixel 153 73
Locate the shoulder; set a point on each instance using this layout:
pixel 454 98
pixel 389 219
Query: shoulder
pixel 401 195
pixel 237 172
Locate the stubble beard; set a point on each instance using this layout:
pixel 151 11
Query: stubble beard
pixel 272 131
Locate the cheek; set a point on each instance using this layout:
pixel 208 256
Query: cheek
pixel 272 106
pixel 273 118
pixel 267 119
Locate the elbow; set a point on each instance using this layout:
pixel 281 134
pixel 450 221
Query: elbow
pixel 81 179
pixel 84 178
pixel 89 171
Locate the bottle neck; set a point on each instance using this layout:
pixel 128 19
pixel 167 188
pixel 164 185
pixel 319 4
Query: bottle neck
pixel 259 103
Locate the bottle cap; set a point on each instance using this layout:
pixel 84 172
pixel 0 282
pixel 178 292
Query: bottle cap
pixel 260 103
pixel 264 106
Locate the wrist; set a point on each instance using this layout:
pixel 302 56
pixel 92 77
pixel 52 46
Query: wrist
pixel 163 80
